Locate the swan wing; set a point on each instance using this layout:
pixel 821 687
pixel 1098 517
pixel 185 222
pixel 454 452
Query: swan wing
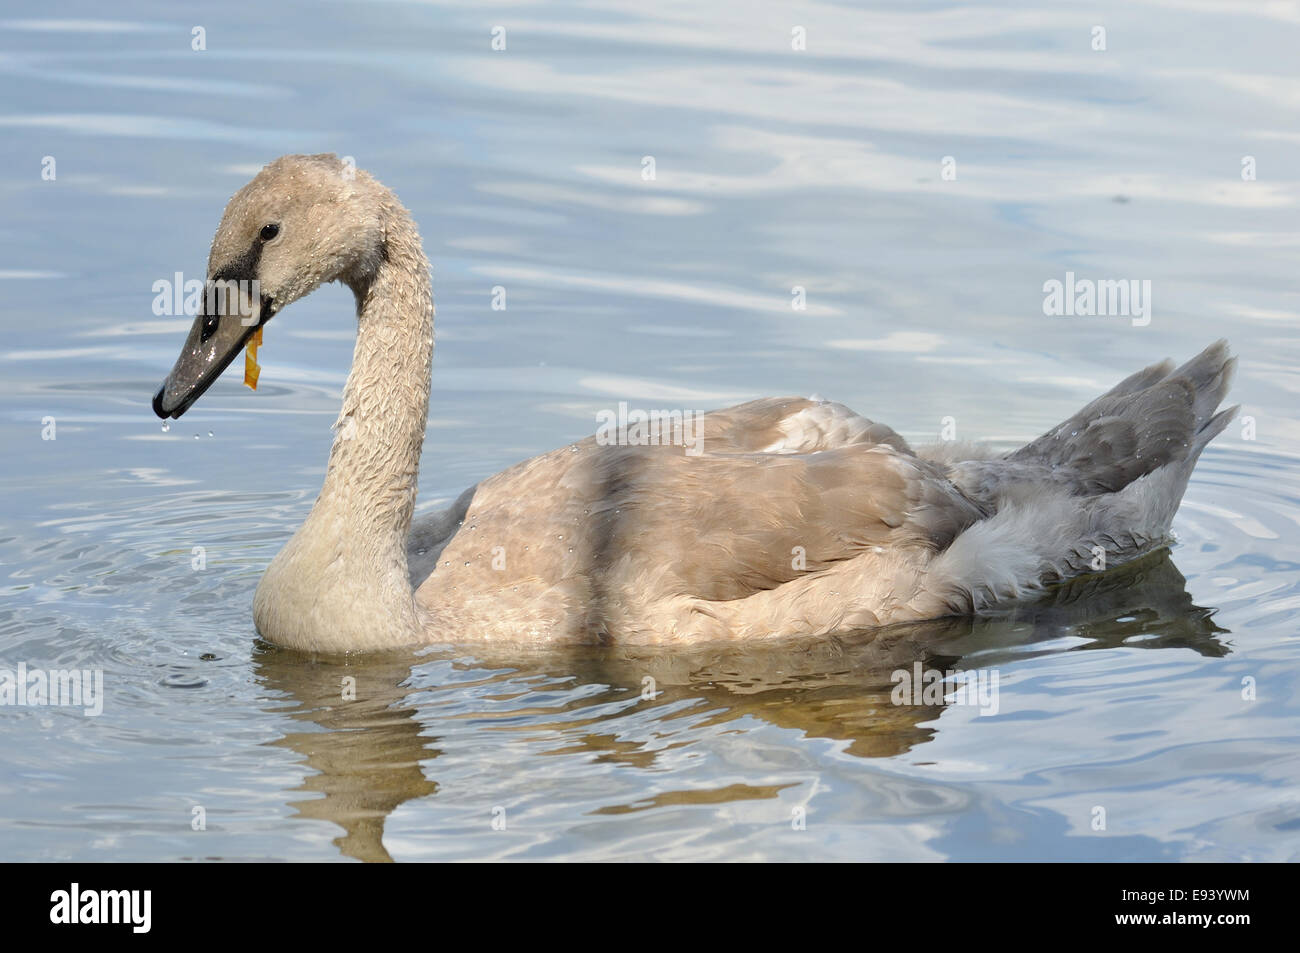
pixel 625 539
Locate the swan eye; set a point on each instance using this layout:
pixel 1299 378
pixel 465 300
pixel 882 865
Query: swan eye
pixel 270 231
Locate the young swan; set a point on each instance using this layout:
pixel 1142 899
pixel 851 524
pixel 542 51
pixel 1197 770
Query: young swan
pixel 780 516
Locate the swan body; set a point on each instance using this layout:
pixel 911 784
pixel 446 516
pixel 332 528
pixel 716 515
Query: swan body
pixel 783 516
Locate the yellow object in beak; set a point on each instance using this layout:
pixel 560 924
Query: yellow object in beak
pixel 251 370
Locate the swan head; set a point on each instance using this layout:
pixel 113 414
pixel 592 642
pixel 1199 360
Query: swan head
pixel 301 222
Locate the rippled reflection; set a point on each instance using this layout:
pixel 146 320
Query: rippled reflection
pixel 376 752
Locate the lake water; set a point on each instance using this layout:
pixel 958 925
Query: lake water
pixel 919 170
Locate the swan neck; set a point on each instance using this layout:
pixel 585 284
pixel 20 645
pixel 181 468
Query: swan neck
pixel 374 462
pixel 341 583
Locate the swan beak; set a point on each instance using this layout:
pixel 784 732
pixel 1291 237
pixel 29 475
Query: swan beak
pixel 213 342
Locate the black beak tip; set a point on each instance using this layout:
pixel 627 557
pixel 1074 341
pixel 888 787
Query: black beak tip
pixel 158 403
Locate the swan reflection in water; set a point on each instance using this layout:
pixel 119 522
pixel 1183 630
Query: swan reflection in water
pixel 370 755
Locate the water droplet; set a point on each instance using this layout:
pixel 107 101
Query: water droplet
pixel 166 427
pixel 196 436
pixel 209 433
pixel 573 449
pixel 467 562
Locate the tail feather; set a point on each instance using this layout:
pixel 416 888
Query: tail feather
pixel 1211 374
pixel 1097 491
pixel 1211 429
pixel 1151 419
